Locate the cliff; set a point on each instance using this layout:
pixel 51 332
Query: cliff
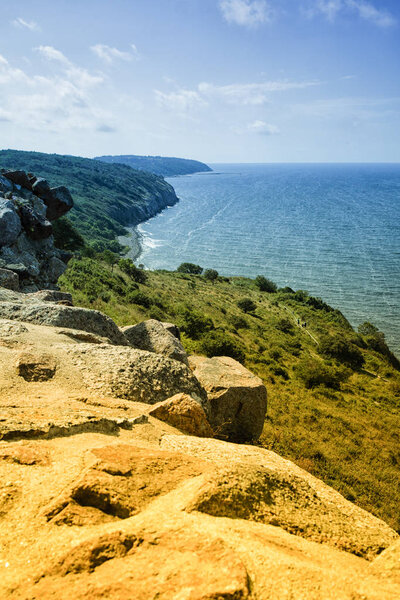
pixel 107 196
pixel 160 165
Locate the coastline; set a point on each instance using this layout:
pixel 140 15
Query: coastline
pixel 133 240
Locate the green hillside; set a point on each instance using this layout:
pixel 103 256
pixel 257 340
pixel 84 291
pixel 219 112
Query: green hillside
pixel 107 196
pixel 333 394
pixel 160 165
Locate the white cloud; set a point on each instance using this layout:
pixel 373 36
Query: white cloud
pixel 182 101
pixel 31 25
pixel 368 12
pixel 109 54
pixel 66 99
pixel 248 13
pixel 250 93
pixel 262 128
pixel 330 9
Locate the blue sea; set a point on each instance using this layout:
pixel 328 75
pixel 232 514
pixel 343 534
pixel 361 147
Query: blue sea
pixel 331 229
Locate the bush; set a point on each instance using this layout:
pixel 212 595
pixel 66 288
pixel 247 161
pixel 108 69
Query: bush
pixel 313 373
pixel 127 266
pixel 247 305
pixel 265 285
pixel 190 268
pixel 284 325
pixel 210 274
pixel 195 324
pixel 342 350
pixel 218 343
pixel 239 322
pixel 138 297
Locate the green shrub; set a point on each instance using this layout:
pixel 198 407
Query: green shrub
pixel 66 237
pixel 138 297
pixel 284 324
pixel 190 268
pixel 239 322
pixel 265 285
pixel 195 324
pixel 247 305
pixel 126 265
pixel 218 343
pixel 342 350
pixel 210 274
pixel 313 373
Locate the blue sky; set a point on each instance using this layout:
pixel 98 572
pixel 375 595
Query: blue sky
pixel 216 80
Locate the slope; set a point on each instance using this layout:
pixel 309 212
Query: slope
pixel 160 165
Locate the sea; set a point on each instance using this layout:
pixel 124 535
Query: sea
pixel 330 229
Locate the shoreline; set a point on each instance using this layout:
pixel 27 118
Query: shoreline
pixel 134 241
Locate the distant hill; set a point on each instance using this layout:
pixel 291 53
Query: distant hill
pixel 160 165
pixel 107 196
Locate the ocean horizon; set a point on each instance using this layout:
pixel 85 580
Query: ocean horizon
pixel 332 229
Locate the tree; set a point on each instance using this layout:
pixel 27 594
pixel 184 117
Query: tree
pixel 190 268
pixel 210 274
pixel 342 350
pixel 218 343
pixel 110 258
pixel 194 324
pixel 247 305
pixel 126 265
pixel 265 285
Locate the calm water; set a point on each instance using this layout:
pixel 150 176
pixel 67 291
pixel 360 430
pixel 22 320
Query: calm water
pixel 333 230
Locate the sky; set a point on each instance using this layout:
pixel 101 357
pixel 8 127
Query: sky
pixel 214 80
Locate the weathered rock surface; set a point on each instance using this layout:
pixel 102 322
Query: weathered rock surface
pixel 31 308
pixel 153 336
pixel 172 328
pixel 238 399
pixel 9 280
pixel 185 413
pixel 27 205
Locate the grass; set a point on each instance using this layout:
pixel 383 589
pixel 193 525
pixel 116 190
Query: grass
pixel 346 431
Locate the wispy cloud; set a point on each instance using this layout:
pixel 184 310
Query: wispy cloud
pixel 31 25
pixel 181 101
pixel 248 13
pixel 109 54
pixel 262 128
pixel 250 93
pixel 65 99
pixel 331 9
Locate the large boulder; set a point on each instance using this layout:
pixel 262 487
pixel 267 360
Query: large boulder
pixel 19 178
pixel 258 485
pixel 10 223
pixel 36 227
pixel 238 398
pixel 185 413
pixel 57 315
pixel 153 336
pixel 61 202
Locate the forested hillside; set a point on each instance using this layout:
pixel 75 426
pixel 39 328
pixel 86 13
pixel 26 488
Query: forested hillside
pixel 107 197
pixel 160 165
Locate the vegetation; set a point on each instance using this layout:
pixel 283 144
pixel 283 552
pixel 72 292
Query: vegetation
pixel 265 285
pixel 160 165
pixel 339 421
pixel 107 196
pixel 190 268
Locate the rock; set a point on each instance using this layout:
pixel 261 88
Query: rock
pixel 41 188
pixel 11 329
pixel 36 227
pixel 9 279
pixel 238 399
pixel 388 563
pixel 52 296
pixel 134 374
pixel 5 185
pixel 121 483
pixel 258 485
pixel 184 413
pixel 57 315
pixel 172 328
pixel 152 336
pixel 10 223
pixel 26 454
pixel 61 202
pixel 36 367
pixel 20 178
pixel 55 269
